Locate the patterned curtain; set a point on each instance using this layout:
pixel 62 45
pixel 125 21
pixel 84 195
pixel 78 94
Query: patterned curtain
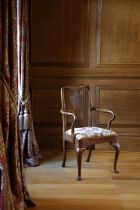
pixel 13 190
pixel 29 142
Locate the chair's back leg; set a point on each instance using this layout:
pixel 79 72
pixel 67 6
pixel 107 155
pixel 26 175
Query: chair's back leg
pixel 64 152
pixel 90 148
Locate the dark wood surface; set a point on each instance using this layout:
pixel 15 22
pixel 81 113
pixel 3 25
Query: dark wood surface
pixel 86 42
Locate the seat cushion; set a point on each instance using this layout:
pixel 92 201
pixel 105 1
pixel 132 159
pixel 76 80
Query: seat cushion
pixel 90 132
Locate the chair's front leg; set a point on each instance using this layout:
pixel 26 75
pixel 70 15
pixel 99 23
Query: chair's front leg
pixel 79 152
pixel 116 145
pixel 79 162
pixel 64 152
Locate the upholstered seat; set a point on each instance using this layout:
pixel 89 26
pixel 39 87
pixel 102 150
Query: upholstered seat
pixel 91 133
pixel 78 124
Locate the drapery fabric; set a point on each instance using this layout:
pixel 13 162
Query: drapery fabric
pixel 13 191
pixel 6 198
pixel 29 142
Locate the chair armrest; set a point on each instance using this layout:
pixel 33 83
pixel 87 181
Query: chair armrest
pixel 105 111
pixel 74 119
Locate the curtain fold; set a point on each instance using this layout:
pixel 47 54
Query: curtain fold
pixel 6 198
pixel 13 189
pixel 29 142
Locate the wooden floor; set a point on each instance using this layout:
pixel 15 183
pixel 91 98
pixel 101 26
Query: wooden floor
pixel 55 188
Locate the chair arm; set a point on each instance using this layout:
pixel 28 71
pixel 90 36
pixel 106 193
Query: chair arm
pixel 74 119
pixel 105 111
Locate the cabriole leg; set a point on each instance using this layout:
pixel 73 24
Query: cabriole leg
pixel 64 153
pixel 79 152
pixel 116 145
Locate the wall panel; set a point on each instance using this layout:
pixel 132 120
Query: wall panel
pixel 93 42
pixel 122 100
pixel 119 32
pixel 62 39
pixel 49 100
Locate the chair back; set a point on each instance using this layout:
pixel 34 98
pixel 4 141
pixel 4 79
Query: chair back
pixel 76 99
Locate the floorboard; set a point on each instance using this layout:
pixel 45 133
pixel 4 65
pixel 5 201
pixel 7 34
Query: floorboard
pixel 55 188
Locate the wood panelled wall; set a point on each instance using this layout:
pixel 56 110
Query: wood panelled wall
pixel 95 42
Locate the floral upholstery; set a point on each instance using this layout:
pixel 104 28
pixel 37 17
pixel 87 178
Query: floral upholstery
pixel 90 132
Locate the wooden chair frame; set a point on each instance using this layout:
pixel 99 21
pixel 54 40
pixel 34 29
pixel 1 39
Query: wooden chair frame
pixel 81 146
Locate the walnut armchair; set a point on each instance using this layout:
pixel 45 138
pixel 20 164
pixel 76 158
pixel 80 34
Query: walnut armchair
pixel 78 128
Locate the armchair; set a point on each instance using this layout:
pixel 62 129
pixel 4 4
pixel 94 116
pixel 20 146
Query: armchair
pixel 78 129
